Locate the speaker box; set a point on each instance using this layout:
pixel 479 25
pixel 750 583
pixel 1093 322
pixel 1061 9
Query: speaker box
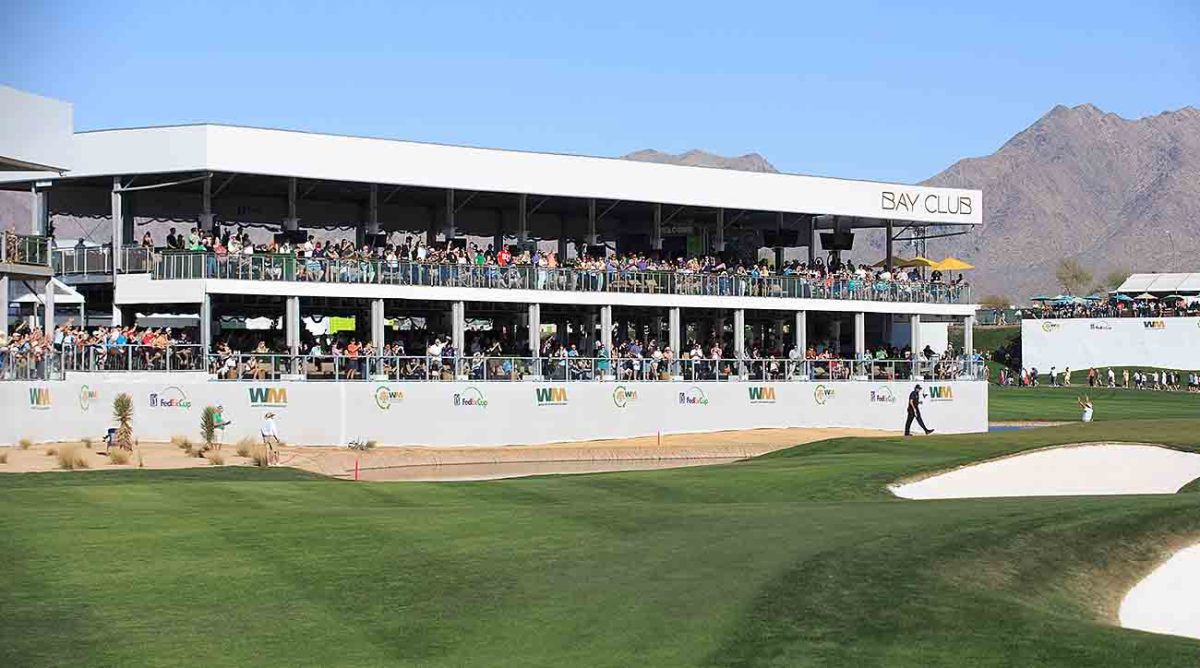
pixel 837 241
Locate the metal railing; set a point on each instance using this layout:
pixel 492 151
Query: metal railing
pixel 24 249
pixel 1098 312
pixel 81 261
pixel 184 265
pixel 30 365
pixel 132 357
pixel 264 366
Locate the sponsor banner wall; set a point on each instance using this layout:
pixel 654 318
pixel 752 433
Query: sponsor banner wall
pixel 1172 343
pixel 452 414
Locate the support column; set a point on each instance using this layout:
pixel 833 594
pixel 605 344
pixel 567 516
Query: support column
pixel 4 304
pixel 835 333
pixel 674 326
pixel 522 219
pixel 739 333
pixel 592 237
pixel 292 324
pixel 118 225
pixel 606 327
pixel 778 249
pixel 292 222
pixel 498 237
pixel 118 316
pixel 860 334
pixel 719 241
pixel 377 324
pixel 458 326
pixel 205 322
pixel 535 329
pixel 451 230
pixel 656 241
pixel 589 342
pixel 887 257
pixel 207 219
pixel 801 333
pixel 813 239
pixel 41 211
pixel 48 310
pixel 562 239
pixel 969 336
pixel 914 334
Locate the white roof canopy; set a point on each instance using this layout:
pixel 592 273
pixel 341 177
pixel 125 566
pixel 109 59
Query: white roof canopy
pixel 1161 283
pixel 220 148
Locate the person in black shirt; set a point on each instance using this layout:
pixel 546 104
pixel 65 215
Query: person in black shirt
pixel 914 412
pixel 172 240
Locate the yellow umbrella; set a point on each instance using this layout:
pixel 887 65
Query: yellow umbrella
pixel 952 264
pixel 919 261
pixel 896 262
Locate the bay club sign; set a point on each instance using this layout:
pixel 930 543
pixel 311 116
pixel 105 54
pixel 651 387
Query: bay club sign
pixel 915 202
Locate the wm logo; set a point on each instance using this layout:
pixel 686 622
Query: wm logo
pixel 39 397
pixel 551 396
pixel 268 396
pixel 941 392
pixel 762 395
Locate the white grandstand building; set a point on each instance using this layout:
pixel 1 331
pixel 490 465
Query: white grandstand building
pixel 297 186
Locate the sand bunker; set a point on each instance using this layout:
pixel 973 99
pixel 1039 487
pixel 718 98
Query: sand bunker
pixel 497 471
pixel 1099 468
pixel 1168 600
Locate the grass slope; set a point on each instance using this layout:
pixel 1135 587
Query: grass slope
pixel 800 558
pixel 1059 403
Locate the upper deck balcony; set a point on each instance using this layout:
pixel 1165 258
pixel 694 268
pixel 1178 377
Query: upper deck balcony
pixel 25 255
pixel 289 268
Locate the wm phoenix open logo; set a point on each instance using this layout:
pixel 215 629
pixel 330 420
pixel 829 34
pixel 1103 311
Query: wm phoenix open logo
pixel 822 394
pixel 268 397
pixel 623 395
pixel 470 397
pixel 1154 324
pixel 1048 326
pixel 86 396
pixel 386 396
pixel 551 396
pixel 762 394
pixel 39 398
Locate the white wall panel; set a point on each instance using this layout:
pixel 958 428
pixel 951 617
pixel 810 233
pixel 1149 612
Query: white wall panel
pixel 1171 343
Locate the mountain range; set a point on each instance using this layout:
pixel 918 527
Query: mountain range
pixel 1115 194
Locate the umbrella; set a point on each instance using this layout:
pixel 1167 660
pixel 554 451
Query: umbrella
pixel 1094 298
pixel 1146 295
pixel 1122 298
pixel 919 261
pixel 952 264
pixel 1041 298
pixel 896 262
pixel 1174 297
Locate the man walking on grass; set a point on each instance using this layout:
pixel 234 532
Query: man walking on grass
pixel 914 412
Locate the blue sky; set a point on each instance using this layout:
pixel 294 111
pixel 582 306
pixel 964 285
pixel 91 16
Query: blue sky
pixel 876 90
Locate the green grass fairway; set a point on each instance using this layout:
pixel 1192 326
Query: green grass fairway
pixel 1059 403
pixel 801 558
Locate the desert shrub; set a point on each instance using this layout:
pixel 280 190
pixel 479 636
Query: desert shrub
pixel 123 414
pixel 245 446
pixel 71 457
pixel 119 456
pixel 215 458
pixel 260 456
pixel 86 442
pixel 208 426
pixel 184 444
pixel 3 456
pixel 178 440
pixel 51 451
pixel 141 464
pixel 25 443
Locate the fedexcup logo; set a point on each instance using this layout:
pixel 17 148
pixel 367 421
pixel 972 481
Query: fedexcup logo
pixel 762 394
pixel 39 398
pixel 171 397
pixel 86 396
pixel 551 396
pixel 268 397
pixel 1048 326
pixel 822 394
pixel 623 395
pixel 470 397
pixel 883 395
pixel 693 396
pixel 941 393
pixel 1101 326
pixel 386 396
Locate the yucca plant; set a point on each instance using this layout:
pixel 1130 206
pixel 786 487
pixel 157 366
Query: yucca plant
pixel 123 414
pixel 208 427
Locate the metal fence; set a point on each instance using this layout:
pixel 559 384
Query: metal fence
pixel 81 261
pixel 291 268
pixel 263 367
pixel 30 365
pixel 24 249
pixel 119 358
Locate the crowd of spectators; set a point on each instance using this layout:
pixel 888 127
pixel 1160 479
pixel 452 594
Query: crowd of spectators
pixel 1114 307
pixel 1133 379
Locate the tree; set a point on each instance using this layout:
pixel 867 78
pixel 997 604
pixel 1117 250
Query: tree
pixel 1072 277
pixel 1114 279
pixel 123 414
pixel 996 302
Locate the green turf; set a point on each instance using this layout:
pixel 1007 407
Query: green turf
pixel 1060 403
pixel 801 558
